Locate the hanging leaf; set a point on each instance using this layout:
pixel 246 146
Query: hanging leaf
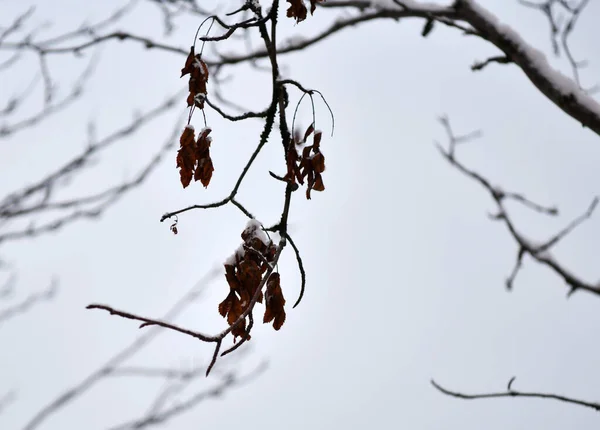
pixel 205 167
pixel 186 156
pixel 274 302
pixel 297 10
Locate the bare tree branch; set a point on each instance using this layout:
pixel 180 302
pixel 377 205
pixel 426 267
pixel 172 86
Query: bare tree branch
pixel 117 360
pixel 217 338
pixel 563 31
pixel 39 199
pixel 16 24
pixel 24 306
pixel 510 392
pixel 559 89
pixel 165 414
pixel 539 252
pixel 50 107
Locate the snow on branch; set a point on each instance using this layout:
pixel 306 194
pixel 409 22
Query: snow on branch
pixel 561 90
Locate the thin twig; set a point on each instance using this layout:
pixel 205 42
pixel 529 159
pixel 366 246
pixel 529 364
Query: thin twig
pixel 515 393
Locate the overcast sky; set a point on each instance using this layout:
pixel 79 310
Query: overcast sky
pixel 405 271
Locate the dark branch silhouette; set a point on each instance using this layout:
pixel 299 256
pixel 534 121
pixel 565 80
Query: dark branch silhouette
pixel 510 392
pixel 538 251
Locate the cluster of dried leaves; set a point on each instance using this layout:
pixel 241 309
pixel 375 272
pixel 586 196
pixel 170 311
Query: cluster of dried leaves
pixel 198 71
pixel 244 272
pixel 193 157
pixel 249 271
pixel 298 9
pixel 310 164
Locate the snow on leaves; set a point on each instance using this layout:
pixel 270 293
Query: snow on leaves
pixel 298 9
pixel 198 71
pixel 244 272
pixel 193 157
pixel 310 165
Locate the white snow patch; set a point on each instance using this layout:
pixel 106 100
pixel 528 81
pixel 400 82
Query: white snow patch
pixel 230 261
pixel 237 255
pixel 254 227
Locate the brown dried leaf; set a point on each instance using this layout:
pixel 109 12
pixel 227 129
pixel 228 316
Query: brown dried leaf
pixel 312 165
pixel 231 278
pixel 297 10
pixel 317 162
pixel 188 62
pixel 198 71
pixel 293 168
pixel 234 311
pixel 317 141
pixel 204 171
pixel 205 167
pixel 271 251
pixel 249 274
pixel 186 156
pixel 308 132
pixel 274 302
pixel 225 305
pixel 318 185
pixel 257 244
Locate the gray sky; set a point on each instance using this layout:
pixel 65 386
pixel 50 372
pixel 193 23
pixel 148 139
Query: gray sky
pixel 405 270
